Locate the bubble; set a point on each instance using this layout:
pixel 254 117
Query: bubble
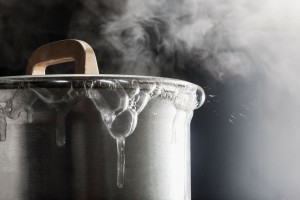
pixel 157 91
pixel 133 89
pixel 123 98
pixel 124 124
pixel 163 95
pixel 108 118
pixel 142 101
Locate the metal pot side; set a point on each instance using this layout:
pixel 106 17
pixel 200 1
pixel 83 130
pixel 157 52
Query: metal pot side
pixel 96 137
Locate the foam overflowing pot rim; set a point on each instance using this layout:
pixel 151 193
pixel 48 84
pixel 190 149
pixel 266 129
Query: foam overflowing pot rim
pixel 119 99
pixel 53 81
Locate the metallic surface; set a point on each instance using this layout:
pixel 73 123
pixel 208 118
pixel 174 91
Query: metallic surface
pixel 33 167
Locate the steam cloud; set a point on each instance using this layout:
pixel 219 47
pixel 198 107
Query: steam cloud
pixel 227 38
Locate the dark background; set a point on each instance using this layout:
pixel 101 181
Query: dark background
pixel 222 167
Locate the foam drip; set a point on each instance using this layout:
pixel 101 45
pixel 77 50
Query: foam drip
pixel 3 126
pixel 121 120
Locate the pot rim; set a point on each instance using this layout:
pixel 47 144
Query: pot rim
pixel 62 79
pixel 51 77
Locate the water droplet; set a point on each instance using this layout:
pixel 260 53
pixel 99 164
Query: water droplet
pixel 245 107
pixel 121 161
pixel 29 114
pixel 242 115
pixel 175 126
pixel 188 120
pixel 231 121
pixel 212 95
pixel 60 129
pixel 3 126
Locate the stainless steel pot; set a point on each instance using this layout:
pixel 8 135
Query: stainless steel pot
pixel 64 136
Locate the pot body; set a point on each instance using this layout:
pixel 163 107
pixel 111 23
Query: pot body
pixel 87 166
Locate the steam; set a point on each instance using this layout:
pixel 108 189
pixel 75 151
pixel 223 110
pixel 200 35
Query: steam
pixel 229 39
pixel 159 37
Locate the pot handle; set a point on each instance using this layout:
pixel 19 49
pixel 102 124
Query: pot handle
pixel 61 52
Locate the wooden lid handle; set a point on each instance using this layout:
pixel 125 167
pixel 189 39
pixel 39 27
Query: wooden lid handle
pixel 60 52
